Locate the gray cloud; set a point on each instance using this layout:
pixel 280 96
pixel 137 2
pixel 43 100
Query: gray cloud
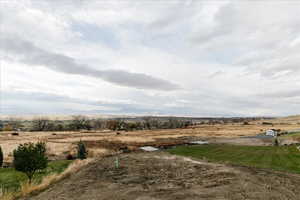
pixel 29 53
pixel 231 58
pixel 54 103
pixel 260 42
pixel 288 93
pixel 24 102
pixel 224 24
pixel 215 74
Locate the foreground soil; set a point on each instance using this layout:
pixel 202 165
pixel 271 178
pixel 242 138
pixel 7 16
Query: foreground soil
pixel 161 176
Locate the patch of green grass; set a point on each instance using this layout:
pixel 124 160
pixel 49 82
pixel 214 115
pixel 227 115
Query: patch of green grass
pixel 57 166
pixel 282 158
pixel 10 179
pixel 290 135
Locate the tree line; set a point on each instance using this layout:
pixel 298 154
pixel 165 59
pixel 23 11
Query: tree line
pixel 83 123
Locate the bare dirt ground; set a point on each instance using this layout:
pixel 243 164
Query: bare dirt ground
pixel 161 176
pixel 103 142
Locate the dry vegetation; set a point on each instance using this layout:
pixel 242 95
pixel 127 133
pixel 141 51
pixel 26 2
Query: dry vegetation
pixel 212 180
pixel 287 120
pixel 61 143
pixel 157 176
pixel 32 189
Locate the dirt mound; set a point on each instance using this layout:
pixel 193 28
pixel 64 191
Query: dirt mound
pixel 160 176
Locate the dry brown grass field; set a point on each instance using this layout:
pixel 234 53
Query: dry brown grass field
pixel 295 119
pixel 158 175
pixel 61 143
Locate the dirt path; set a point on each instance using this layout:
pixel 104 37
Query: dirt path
pixel 161 176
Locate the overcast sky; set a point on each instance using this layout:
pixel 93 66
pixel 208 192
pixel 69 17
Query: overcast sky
pixel 148 57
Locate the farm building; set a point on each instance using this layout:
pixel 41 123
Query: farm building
pixel 271 132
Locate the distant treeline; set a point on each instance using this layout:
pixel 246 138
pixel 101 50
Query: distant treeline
pixel 84 123
pixel 118 124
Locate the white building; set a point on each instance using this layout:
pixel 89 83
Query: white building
pixel 271 132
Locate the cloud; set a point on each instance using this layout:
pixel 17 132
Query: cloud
pixel 28 101
pixel 223 23
pixel 30 54
pixel 262 35
pixel 287 93
pixel 230 58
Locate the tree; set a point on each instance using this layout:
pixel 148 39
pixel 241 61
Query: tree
pixel 276 142
pixel 98 124
pixel 59 127
pixel 81 151
pixel 40 124
pixel 1 157
pixel 80 122
pixel 29 158
pixel 112 124
pixel 15 123
pixel 147 123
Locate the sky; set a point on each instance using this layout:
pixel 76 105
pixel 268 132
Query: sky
pixel 145 57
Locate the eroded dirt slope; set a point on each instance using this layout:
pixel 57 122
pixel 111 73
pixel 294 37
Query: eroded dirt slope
pixel 161 176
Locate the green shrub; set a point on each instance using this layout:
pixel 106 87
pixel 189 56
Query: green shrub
pixel 7 127
pixel 81 151
pixel 29 158
pixel 1 157
pixel 276 142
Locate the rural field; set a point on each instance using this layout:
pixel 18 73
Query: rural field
pixel 61 143
pixel 236 164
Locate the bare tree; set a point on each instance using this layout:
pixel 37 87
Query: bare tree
pixel 98 124
pixel 40 124
pixel 15 123
pixel 147 122
pixel 116 124
pixel 80 122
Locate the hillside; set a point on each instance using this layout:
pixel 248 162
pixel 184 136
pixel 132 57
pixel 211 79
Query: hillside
pixel 161 176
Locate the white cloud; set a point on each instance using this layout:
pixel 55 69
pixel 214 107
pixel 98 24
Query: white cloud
pixel 229 57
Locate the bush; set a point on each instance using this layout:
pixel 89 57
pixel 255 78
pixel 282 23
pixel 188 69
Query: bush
pixel 276 142
pixel 1 157
pixel 69 157
pixel 29 158
pixel 246 123
pixel 81 151
pixel 267 123
pixel 7 127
